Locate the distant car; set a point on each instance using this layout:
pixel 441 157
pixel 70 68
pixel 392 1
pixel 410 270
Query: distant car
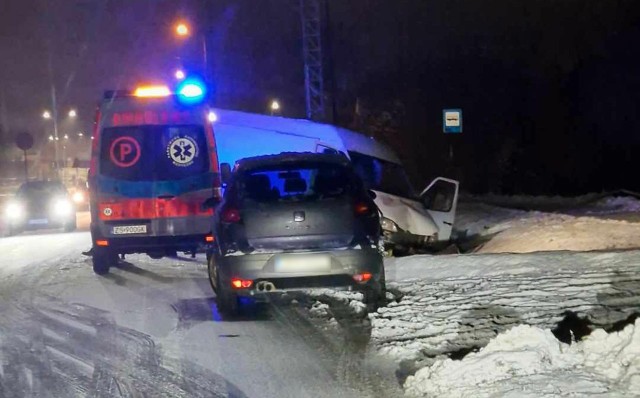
pixel 40 205
pixel 80 197
pixel 291 222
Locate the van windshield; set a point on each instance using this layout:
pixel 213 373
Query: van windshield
pixel 381 175
pixel 153 153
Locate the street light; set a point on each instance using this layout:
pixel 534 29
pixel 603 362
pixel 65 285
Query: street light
pixel 50 138
pixel 66 136
pixel 179 74
pixel 73 113
pixel 46 115
pixel 182 29
pixel 275 107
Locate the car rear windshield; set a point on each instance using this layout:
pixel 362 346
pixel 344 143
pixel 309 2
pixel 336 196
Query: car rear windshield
pixel 381 175
pixel 298 181
pixel 148 153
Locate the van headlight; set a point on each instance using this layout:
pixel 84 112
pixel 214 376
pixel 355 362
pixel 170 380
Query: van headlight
pixel 389 225
pixel 14 211
pixel 78 197
pixel 62 207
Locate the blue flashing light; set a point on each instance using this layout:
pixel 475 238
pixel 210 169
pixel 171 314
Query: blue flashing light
pixel 191 91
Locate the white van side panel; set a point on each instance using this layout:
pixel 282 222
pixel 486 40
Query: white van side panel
pixel 235 143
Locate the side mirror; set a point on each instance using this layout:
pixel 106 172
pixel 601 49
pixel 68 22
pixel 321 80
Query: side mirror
pixel 225 172
pixel 210 203
pixel 372 194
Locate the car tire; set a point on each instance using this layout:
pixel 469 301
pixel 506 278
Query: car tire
pixel 227 300
pixel 212 272
pixel 103 260
pixel 375 295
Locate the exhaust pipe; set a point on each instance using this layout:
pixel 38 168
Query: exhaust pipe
pixel 265 286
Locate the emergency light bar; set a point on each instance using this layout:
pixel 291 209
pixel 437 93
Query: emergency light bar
pixel 152 91
pixel 190 91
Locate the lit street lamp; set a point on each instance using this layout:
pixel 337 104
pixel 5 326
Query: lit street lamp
pixel 182 31
pixel 50 138
pixel 179 74
pixel 275 107
pixel 46 115
pixel 66 136
pixel 73 113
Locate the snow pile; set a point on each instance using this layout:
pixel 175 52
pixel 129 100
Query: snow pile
pixel 562 232
pixel 456 302
pixel 615 204
pixel 605 225
pixel 529 361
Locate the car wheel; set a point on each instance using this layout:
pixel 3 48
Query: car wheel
pixel 103 260
pixel 211 267
pixel 226 299
pixel 375 294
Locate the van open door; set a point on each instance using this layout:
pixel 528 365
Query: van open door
pixel 440 199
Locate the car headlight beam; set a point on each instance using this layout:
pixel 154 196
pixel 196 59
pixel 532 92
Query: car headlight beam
pixel 62 207
pixel 14 211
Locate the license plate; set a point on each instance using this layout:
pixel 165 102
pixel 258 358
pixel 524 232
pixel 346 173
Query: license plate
pixel 39 221
pixel 302 263
pixel 129 229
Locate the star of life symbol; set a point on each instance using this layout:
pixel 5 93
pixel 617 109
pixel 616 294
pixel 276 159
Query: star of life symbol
pixel 182 151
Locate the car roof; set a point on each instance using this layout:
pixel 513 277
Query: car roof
pixel 290 157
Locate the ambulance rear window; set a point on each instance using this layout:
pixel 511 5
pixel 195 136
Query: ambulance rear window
pixel 153 153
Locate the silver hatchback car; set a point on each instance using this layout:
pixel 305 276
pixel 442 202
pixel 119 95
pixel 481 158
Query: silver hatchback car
pixel 291 222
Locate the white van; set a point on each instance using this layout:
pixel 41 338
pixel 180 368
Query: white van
pixel 411 219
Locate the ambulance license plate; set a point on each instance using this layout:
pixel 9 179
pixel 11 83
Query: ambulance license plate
pixel 129 229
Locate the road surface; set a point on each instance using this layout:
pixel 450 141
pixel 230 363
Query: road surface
pixel 152 328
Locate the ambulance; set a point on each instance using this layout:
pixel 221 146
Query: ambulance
pixel 153 165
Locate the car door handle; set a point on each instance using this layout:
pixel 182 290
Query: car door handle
pixel 448 223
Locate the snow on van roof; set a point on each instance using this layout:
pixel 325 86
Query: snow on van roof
pixel 337 137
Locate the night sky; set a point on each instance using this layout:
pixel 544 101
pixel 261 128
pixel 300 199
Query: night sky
pixel 550 90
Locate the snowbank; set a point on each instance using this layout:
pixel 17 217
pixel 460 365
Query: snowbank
pixel 456 302
pixel 610 223
pixel 529 361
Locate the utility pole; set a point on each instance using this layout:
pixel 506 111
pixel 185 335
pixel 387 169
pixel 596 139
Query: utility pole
pixel 310 12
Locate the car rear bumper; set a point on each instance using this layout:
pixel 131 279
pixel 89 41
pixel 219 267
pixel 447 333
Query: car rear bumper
pixel 263 268
pixel 41 222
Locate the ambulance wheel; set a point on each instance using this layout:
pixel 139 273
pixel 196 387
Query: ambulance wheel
pixel 103 260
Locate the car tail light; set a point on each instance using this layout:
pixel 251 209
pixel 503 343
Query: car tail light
pixel 362 209
pixel 362 277
pixel 102 242
pixel 209 238
pixel 231 215
pixel 238 283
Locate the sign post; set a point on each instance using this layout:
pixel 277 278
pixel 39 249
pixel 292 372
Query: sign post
pixel 24 141
pixel 451 124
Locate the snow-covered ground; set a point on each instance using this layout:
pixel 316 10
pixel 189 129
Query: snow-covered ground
pixel 527 361
pixel 446 307
pixel 609 223
pixel 456 325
